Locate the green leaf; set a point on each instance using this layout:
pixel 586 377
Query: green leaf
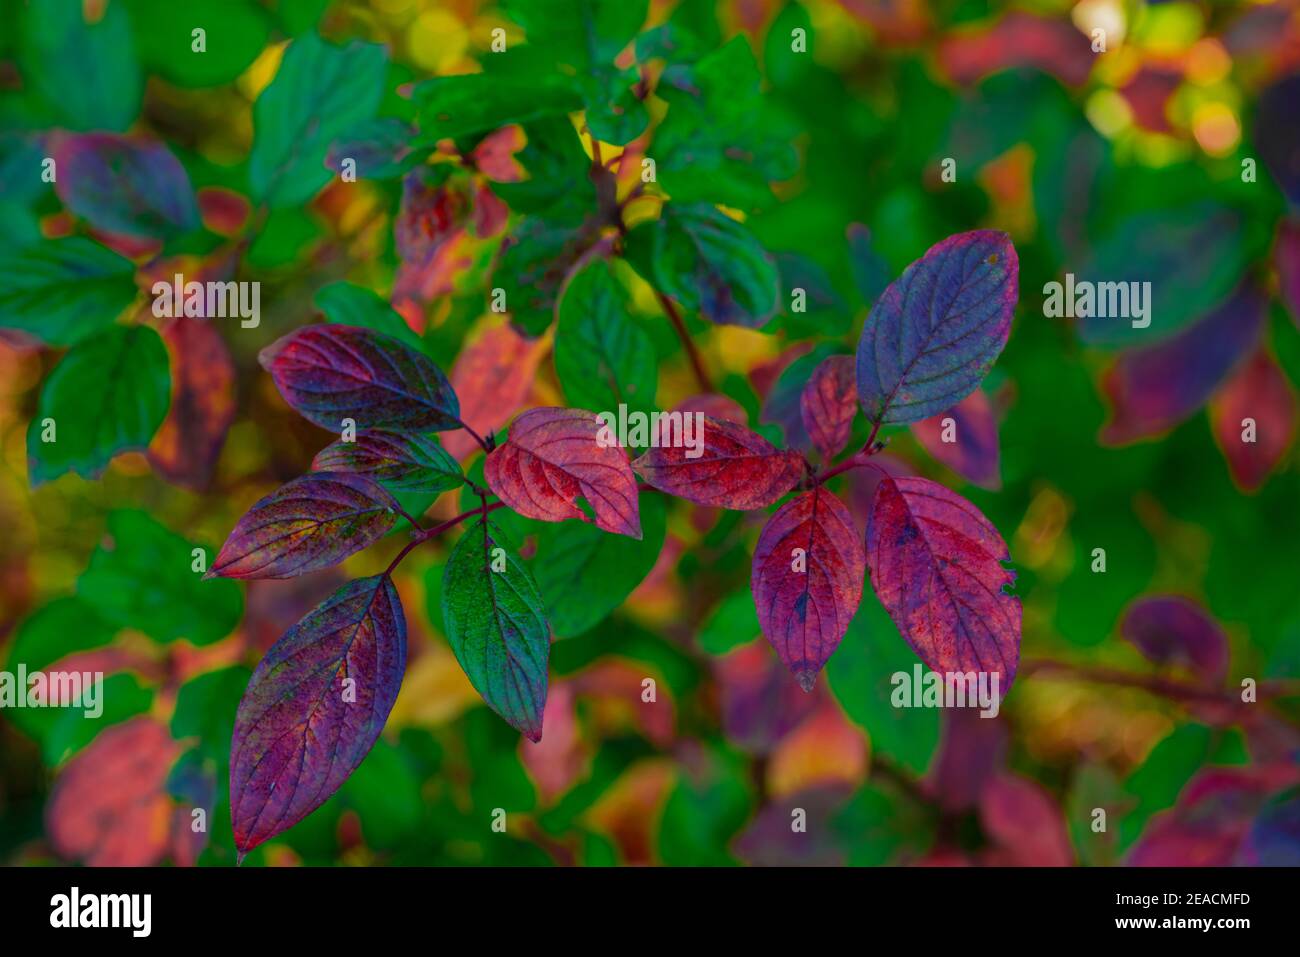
pixel 348 304
pixel 141 576
pixel 205 709
pixel 399 461
pixel 61 627
pixel 707 807
pixel 86 72
pixel 1191 256
pixel 579 33
pixel 734 622
pixel 786 66
pixel 584 574
pixel 496 625
pixel 615 114
pixel 63 290
pixel 859 674
pixel 721 141
pixel 708 262
pixel 558 172
pixel 691 31
pixel 534 262
pixel 456 106
pixel 108 395
pixel 235 33
pixel 64 731
pixel 602 355
pixel 320 93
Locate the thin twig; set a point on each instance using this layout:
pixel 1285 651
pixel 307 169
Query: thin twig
pixel 675 316
pixel 1164 687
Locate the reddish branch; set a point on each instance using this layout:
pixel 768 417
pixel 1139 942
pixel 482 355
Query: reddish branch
pixel 1164 687
pixel 675 317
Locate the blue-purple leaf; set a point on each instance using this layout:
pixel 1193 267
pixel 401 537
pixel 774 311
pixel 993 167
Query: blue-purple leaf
pixel 330 373
pixel 313 522
pixel 935 332
pixel 314 707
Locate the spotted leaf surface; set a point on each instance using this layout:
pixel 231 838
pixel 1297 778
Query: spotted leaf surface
pixel 936 330
pixel 553 457
pixel 937 566
pixel 735 468
pixel 332 372
pixel 314 707
pixel 807 580
pixel 310 523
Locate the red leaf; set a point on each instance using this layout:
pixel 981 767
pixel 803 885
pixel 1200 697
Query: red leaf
pixel 969 444
pixel 1171 629
pixel 936 565
pixel 807 580
pixel 493 377
pixel 552 457
pixel 186 447
pixel 1017 39
pixel 828 404
pixel 1258 392
pixel 735 468
pixel 310 523
pixel 110 807
pixel 1024 822
pixel 332 372
pixel 1213 815
pixel 429 218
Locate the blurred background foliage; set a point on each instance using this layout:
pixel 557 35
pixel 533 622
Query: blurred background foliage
pixel 1122 164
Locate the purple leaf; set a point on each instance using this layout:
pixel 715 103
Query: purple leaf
pixel 1214 813
pixel 735 468
pixel 1277 133
pixel 403 461
pixel 1286 257
pixel 330 372
pixel 969 443
pixel 828 403
pixel 938 328
pixel 310 523
pixel 936 565
pixel 972 751
pixel 554 456
pixel 1024 824
pixel 807 580
pixel 1169 629
pixel 126 186
pixel 1274 838
pixel 314 707
pixel 1156 388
